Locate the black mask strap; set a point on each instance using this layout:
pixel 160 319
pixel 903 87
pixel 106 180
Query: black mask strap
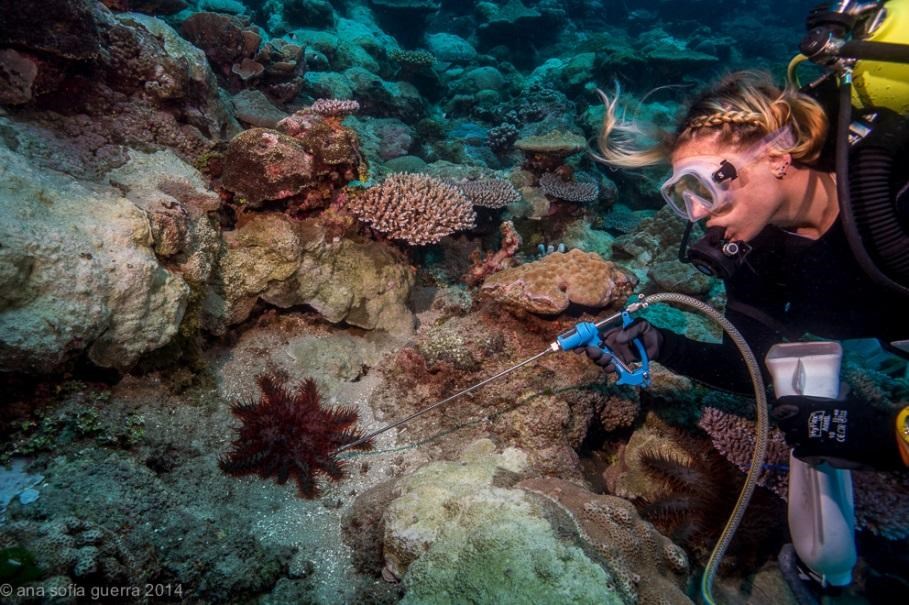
pixel 683 246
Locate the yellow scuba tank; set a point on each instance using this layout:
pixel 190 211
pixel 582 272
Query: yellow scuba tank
pixel 885 84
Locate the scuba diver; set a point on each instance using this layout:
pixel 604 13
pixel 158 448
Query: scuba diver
pixel 806 221
pixel 747 160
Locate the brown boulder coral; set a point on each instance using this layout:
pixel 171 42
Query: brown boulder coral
pixel 262 164
pixel 219 36
pixel 548 286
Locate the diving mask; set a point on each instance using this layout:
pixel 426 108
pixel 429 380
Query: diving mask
pixel 699 185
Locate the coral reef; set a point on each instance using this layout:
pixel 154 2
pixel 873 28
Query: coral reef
pixel 289 434
pixel 414 208
pixel 549 285
pixel 117 257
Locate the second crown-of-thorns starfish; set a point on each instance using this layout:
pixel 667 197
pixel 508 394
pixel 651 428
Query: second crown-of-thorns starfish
pixel 288 433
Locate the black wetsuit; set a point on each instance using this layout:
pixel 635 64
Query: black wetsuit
pixel 793 286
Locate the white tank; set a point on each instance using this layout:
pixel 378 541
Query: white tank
pixel 821 505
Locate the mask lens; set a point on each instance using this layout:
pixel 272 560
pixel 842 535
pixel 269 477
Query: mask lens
pixel 686 190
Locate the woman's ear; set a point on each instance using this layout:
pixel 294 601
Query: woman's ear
pixel 780 163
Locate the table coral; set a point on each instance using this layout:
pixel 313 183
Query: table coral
pixel 546 152
pixel 548 286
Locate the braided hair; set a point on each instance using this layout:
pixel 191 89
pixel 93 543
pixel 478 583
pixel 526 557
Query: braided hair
pixel 738 110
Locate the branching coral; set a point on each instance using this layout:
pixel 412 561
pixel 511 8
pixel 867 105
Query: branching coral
pixel 570 191
pixel 288 433
pixel 334 107
pixel 415 208
pixel 489 193
pixel 733 437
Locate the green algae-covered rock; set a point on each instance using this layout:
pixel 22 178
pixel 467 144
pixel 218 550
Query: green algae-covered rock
pixel 364 283
pixel 455 537
pixel 288 263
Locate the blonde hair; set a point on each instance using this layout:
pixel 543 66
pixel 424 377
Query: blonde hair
pixel 739 109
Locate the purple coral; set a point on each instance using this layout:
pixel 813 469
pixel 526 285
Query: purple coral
pixel 501 138
pixel 335 107
pixel 881 499
pixel 733 437
pixel 571 191
pixel 489 193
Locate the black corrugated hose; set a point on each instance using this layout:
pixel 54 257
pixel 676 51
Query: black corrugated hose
pixel 867 205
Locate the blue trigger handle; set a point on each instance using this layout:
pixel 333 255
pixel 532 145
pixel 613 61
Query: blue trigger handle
pixel 586 334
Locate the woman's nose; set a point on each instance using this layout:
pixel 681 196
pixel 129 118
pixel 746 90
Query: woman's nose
pixel 696 212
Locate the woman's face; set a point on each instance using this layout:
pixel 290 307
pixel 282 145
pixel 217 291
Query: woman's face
pixel 755 195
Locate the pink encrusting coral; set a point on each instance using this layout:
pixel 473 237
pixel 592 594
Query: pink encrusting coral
pixel 415 208
pixel 493 262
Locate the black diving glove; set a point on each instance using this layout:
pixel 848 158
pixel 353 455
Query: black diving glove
pixel 845 434
pixel 619 340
